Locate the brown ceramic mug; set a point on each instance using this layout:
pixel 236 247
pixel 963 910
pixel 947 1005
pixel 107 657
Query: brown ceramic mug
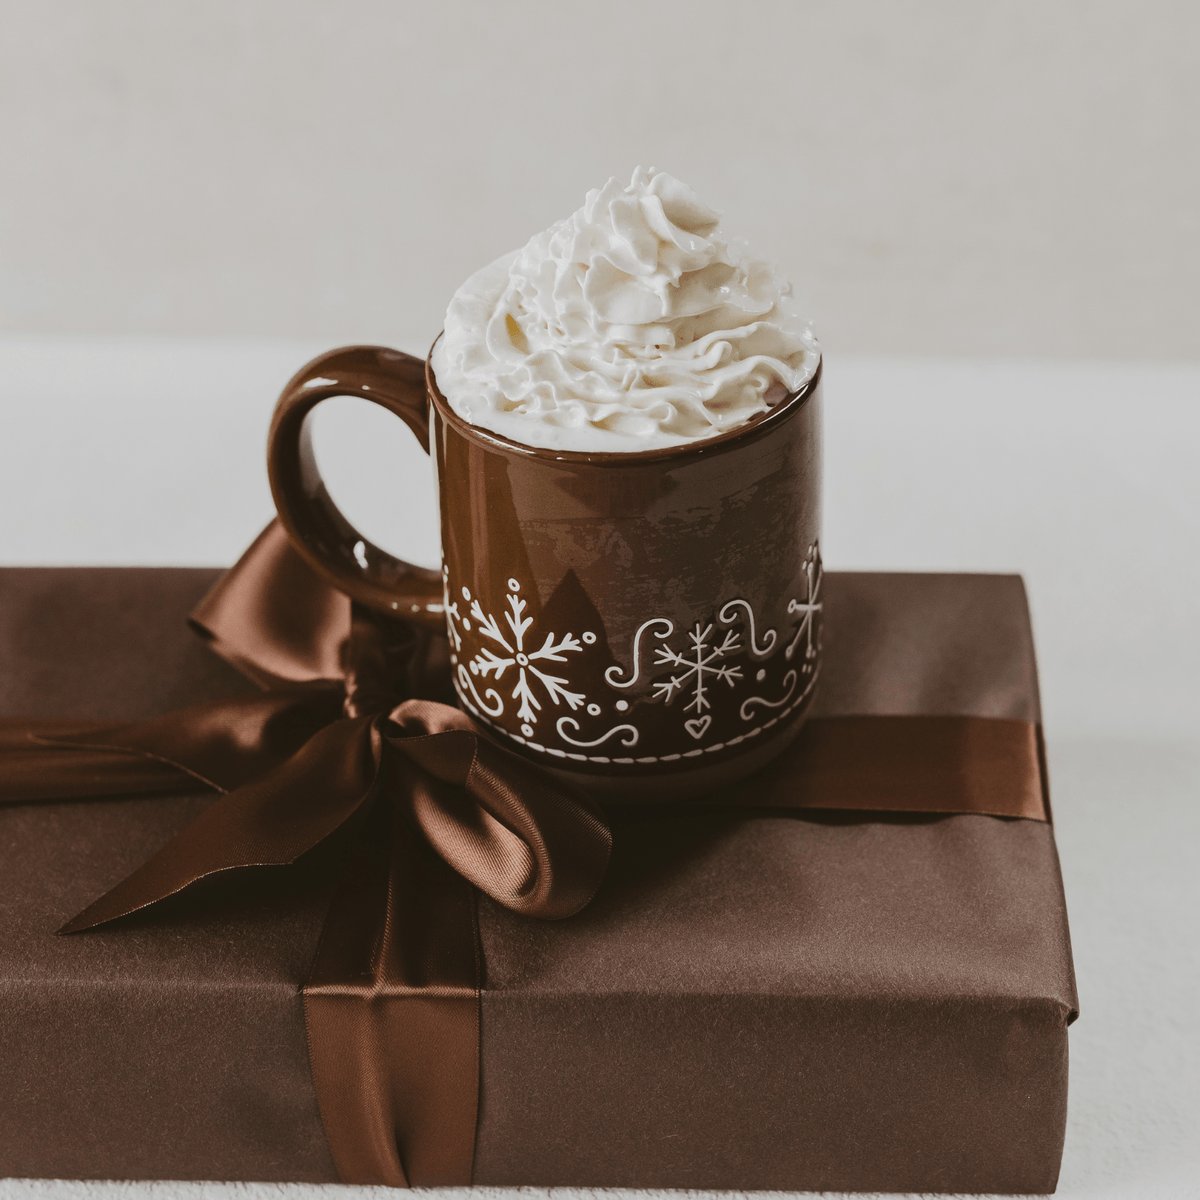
pixel 645 624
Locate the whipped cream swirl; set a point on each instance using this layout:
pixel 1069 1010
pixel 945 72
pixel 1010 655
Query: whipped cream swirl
pixel 631 325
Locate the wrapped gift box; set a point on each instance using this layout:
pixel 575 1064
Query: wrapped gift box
pixel 755 999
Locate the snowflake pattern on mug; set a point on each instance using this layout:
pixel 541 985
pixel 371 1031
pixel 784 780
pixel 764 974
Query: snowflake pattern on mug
pixel 530 679
pixel 695 669
pixel 809 606
pixel 512 662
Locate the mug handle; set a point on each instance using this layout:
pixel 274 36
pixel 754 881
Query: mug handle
pixel 318 530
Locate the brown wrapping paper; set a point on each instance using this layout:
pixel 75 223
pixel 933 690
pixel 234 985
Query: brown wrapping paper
pixel 835 1001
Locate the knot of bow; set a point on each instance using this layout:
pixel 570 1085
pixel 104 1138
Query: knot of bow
pixel 352 719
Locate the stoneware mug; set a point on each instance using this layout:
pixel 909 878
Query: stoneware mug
pixel 645 625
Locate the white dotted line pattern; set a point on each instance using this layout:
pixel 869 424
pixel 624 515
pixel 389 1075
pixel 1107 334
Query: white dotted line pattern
pixel 600 758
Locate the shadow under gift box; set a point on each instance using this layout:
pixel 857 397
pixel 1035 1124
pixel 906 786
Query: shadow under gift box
pixel 851 1001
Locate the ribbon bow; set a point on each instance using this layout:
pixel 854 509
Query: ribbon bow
pixel 344 753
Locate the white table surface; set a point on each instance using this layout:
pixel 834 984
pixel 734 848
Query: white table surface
pixel 1082 477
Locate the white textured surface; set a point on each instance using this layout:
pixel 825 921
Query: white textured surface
pixel 1081 477
pixel 938 176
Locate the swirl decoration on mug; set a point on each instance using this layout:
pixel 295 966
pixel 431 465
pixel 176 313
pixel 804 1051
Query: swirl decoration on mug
pixel 511 654
pixel 612 675
pixel 746 712
pixel 728 615
pixel 464 681
pixel 630 731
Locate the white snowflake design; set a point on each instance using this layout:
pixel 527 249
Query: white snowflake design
pixel 453 616
pixel 513 651
pixel 810 607
pixel 704 655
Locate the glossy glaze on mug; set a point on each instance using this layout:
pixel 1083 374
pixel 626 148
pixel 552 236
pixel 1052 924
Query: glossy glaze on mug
pixel 644 623
pixel 635 618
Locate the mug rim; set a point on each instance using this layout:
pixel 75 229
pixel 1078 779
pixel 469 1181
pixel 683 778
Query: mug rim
pixel 752 431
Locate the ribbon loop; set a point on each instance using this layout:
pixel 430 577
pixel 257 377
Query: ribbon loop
pixel 532 843
pixel 273 618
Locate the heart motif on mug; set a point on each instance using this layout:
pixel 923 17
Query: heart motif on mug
pixel 697 725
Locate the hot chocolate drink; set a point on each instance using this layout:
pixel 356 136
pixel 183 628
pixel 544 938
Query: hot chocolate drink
pixel 632 325
pixel 625 423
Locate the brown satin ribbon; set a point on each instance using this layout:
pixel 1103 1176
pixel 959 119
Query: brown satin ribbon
pixel 346 747
pixel 986 765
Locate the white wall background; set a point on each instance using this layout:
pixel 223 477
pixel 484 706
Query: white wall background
pixel 938 177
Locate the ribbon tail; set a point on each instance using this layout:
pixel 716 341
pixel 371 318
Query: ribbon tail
pixel 392 1012
pixel 270 822
pixel 225 743
pixel 218 745
pixel 36 766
